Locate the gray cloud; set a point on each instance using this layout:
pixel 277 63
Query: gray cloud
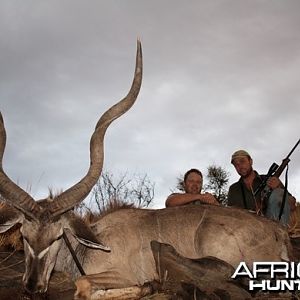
pixel 219 76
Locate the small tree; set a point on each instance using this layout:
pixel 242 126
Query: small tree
pixel 217 182
pixel 180 183
pixel 109 191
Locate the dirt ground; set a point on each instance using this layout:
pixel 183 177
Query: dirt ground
pixel 11 272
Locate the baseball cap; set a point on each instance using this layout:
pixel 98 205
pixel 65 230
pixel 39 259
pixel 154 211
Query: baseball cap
pixel 239 153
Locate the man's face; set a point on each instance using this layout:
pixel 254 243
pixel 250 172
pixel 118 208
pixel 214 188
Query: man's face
pixel 243 166
pixel 193 183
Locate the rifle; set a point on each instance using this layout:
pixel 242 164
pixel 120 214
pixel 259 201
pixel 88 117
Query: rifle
pixel 274 171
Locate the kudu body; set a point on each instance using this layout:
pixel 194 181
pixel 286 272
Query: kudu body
pixel 230 234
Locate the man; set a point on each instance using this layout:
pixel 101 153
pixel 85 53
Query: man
pixel 192 183
pixel 241 193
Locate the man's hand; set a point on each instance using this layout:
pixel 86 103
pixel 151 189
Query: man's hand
pixel 273 183
pixel 177 199
pixel 209 199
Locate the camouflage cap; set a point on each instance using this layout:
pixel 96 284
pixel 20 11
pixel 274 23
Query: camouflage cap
pixel 239 153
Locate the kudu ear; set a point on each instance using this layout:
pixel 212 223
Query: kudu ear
pixel 9 217
pixel 83 233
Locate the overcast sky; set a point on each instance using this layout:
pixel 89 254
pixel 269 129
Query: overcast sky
pixel 218 76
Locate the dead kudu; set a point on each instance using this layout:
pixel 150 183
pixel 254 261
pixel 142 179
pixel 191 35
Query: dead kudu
pixel 228 234
pixel 115 251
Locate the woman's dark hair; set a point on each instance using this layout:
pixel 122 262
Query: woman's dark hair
pixel 192 171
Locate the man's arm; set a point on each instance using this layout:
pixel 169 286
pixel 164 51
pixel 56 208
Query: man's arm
pixel 274 183
pixel 178 199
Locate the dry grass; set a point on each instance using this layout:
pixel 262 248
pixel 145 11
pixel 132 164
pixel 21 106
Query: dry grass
pixel 90 217
pixel 11 239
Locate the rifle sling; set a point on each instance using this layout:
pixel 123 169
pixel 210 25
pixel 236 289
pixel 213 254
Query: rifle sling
pixel 284 193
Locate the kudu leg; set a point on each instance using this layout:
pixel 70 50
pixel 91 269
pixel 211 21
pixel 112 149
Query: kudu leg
pixel 108 285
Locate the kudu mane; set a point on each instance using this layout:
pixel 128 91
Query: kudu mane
pixel 91 217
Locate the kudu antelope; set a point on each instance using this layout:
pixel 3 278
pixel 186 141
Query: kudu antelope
pixel 230 234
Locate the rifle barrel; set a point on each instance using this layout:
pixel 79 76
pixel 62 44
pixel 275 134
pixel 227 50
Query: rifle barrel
pixel 293 149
